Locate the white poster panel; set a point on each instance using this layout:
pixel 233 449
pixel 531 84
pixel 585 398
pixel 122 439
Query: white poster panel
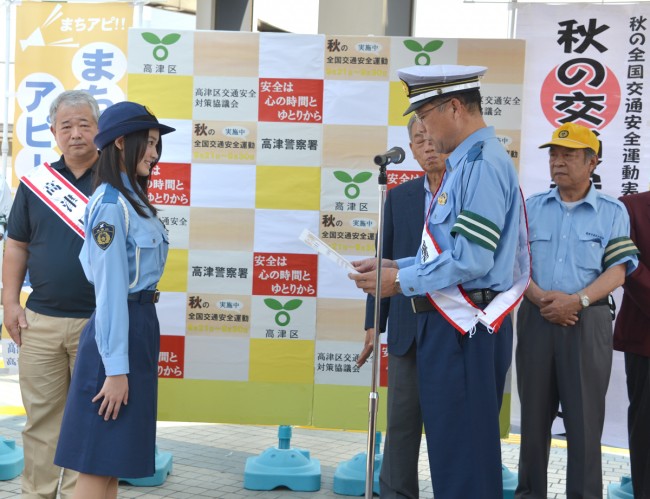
pixel 585 64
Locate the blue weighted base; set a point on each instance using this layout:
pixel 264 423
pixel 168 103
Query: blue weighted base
pixel 12 460
pixel 350 476
pixel 163 468
pixel 622 490
pixel 283 466
pixel 510 481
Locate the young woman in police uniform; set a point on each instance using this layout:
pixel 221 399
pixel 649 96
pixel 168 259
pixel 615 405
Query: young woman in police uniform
pixel 109 424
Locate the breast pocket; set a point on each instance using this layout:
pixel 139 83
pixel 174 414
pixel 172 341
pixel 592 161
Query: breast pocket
pixel 590 252
pixel 540 240
pixel 440 214
pixel 150 251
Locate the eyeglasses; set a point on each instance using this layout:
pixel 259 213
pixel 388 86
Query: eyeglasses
pixel 420 116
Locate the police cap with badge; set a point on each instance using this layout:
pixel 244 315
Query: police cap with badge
pixel 424 83
pixel 124 118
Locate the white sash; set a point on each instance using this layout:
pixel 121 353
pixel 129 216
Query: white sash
pixel 63 198
pixel 454 304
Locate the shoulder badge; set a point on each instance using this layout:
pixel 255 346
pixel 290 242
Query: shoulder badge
pixel 103 234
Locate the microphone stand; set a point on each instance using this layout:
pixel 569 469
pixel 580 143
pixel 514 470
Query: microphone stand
pixel 374 396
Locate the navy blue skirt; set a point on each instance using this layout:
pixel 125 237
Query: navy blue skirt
pixel 124 447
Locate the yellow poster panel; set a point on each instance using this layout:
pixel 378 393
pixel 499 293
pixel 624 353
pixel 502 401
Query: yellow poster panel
pixel 64 46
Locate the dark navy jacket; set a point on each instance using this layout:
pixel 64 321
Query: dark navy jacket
pixel 403 224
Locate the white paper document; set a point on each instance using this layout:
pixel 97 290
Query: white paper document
pixel 314 242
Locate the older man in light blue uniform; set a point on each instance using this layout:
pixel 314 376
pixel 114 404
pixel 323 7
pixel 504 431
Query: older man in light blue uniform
pixel 469 247
pixel 581 252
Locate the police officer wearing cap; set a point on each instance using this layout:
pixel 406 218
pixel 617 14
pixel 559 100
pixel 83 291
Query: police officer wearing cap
pixel 406 206
pixel 581 251
pixel 109 424
pixel 463 270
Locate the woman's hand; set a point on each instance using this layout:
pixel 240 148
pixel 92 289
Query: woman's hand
pixel 115 393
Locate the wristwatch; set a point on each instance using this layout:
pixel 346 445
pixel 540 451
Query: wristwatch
pixel 584 300
pixel 398 286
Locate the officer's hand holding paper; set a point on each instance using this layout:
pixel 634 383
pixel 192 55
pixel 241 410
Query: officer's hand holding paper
pixel 366 279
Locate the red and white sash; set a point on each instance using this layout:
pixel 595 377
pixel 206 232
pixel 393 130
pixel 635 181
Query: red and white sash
pixel 63 198
pixel 454 304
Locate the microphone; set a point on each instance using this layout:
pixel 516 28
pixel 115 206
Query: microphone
pixel 394 155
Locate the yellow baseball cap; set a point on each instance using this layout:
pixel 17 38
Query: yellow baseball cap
pixel 574 136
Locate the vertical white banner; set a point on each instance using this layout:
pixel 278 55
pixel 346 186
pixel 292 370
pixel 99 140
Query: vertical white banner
pixel 585 63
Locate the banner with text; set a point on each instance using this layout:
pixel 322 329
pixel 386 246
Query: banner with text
pixel 586 64
pixel 64 46
pixel 276 133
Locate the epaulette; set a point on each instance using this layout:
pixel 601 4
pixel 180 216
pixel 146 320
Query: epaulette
pixel 110 194
pixel 475 152
pixel 611 199
pixel 538 194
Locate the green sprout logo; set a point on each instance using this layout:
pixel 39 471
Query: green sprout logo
pixel 352 190
pixel 423 59
pixel 282 318
pixel 160 52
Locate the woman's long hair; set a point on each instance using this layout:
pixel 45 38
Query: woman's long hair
pixel 109 168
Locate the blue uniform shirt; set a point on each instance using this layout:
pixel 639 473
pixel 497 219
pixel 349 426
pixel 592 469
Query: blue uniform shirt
pixel 475 221
pixel 119 258
pixel 572 247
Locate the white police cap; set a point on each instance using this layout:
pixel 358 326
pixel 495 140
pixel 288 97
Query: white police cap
pixel 423 83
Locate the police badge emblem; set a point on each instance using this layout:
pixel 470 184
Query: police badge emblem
pixel 442 199
pixel 405 87
pixel 103 234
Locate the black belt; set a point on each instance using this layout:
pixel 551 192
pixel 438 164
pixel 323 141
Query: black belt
pixel 146 296
pixel 478 296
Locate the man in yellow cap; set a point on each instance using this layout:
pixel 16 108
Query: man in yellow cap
pixel 581 251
